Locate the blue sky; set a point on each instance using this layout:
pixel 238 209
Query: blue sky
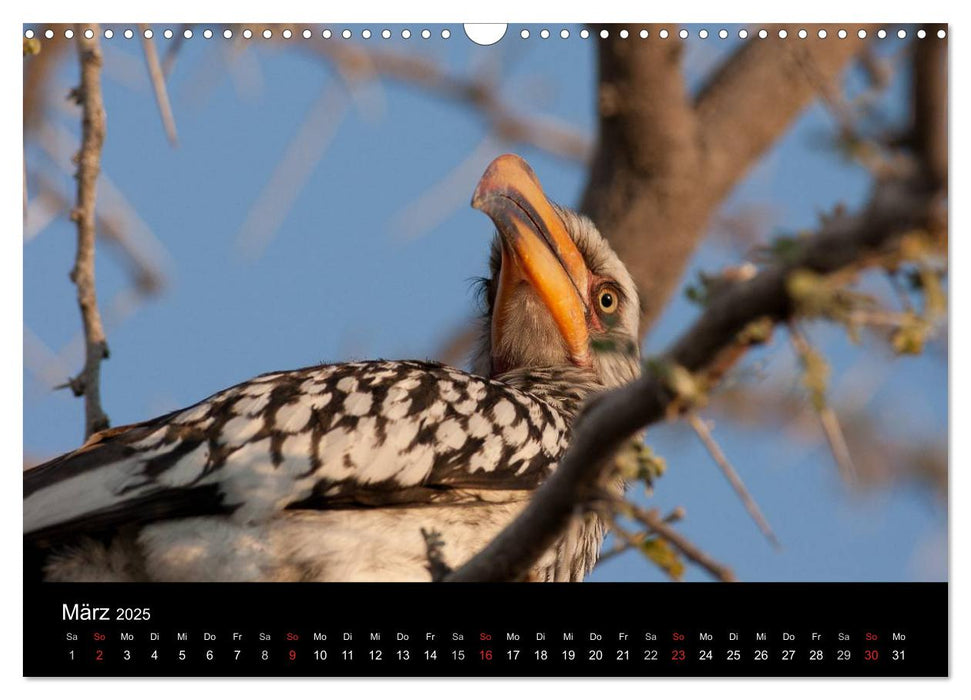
pixel 346 275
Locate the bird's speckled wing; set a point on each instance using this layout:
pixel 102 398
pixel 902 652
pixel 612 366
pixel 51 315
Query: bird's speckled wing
pixel 330 436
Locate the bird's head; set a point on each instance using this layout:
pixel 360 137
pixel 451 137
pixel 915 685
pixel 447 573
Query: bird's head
pixel 557 295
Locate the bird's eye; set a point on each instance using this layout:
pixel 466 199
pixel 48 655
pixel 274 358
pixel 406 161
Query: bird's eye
pixel 608 298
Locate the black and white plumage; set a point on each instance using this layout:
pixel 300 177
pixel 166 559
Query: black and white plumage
pixel 338 472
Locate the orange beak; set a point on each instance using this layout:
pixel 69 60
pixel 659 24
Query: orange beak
pixel 535 248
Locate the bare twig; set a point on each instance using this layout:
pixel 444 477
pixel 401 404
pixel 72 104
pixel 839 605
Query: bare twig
pixel 879 457
pixel 610 419
pixel 88 383
pixel 175 46
pixel 654 523
pixel 704 433
pixel 625 545
pixel 157 76
pixel 827 417
pixel 115 222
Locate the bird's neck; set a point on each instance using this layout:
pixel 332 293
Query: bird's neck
pixel 565 388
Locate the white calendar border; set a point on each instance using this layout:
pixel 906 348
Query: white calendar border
pixel 492 11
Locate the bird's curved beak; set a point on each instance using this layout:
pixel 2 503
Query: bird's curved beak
pixel 536 248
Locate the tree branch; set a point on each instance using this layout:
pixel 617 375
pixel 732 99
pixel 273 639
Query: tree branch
pixel 754 97
pixel 645 167
pixel 663 166
pixel 480 94
pixel 651 520
pixel 930 104
pixel 88 382
pixel 610 419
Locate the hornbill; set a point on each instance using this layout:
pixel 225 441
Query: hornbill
pixel 340 472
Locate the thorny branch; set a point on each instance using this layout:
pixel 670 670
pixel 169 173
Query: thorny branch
pixel 828 420
pixel 896 208
pixel 653 522
pixel 88 382
pixel 704 433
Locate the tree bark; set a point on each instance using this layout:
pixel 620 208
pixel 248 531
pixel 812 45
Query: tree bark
pixel 88 382
pixel 663 164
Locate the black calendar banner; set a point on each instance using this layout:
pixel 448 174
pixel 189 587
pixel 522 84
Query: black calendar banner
pixel 314 449
pixel 755 629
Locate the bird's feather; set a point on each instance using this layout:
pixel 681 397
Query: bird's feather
pixel 325 437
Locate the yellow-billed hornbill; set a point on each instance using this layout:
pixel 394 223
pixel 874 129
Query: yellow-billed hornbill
pixel 339 472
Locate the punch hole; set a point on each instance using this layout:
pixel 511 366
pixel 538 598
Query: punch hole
pixel 524 34
pixel 29 34
pixel 207 34
pixel 487 34
pixel 109 34
pixel 167 34
pixel 643 34
pixel 129 34
pixel 426 34
pixel 584 34
pixel 49 34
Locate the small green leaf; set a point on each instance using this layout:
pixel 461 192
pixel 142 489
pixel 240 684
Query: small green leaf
pixel 664 555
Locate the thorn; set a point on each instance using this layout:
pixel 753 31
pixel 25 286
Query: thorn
pixel 675 515
pixel 704 433
pixel 75 384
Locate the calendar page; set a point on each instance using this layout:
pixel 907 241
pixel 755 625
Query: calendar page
pixel 361 350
